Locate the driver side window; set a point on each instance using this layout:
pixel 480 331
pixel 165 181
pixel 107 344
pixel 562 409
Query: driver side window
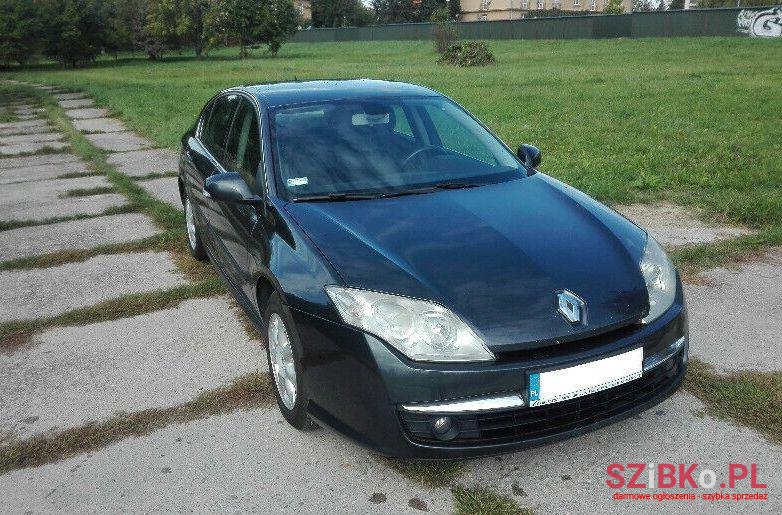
pixel 243 151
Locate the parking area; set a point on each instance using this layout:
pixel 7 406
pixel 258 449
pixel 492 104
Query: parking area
pixel 131 382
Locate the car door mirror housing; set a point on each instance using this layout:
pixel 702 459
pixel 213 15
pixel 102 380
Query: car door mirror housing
pixel 230 187
pixel 529 155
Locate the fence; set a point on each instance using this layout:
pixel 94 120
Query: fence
pixel 698 22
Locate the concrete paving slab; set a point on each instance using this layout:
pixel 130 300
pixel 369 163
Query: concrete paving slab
pixel 245 462
pixel 41 199
pixel 68 96
pixel 77 234
pixel 24 110
pixel 118 141
pixel 676 226
pixel 76 102
pixel 31 138
pixel 43 292
pixel 570 476
pixel 734 321
pixel 43 128
pixel 21 124
pixel 28 148
pixel 165 189
pixel 144 162
pixel 99 125
pixel 70 376
pixel 41 172
pixel 86 112
pixel 43 159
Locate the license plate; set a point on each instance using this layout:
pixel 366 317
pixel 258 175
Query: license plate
pixel 572 382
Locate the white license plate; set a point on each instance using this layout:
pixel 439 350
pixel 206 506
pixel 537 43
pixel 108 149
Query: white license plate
pixel 569 383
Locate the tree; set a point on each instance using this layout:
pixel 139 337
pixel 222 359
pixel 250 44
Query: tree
pixel 340 13
pixel 643 5
pixel 179 23
pixel 74 31
pixel 403 11
pixel 20 31
pixel 676 4
pixel 614 7
pixel 271 22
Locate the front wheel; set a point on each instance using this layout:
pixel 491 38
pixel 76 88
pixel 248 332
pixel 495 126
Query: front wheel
pixel 283 352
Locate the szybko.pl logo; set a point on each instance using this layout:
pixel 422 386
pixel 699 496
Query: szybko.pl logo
pixel 737 480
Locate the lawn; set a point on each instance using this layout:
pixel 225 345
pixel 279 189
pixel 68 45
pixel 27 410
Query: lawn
pixel 694 121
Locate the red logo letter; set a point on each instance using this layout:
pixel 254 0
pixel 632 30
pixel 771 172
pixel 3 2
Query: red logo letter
pixel 732 476
pixel 620 481
pixel 754 477
pixel 666 475
pixel 686 475
pixel 639 469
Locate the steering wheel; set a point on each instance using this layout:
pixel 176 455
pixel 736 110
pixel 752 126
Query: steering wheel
pixel 428 148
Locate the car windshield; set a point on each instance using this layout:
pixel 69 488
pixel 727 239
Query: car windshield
pixel 383 147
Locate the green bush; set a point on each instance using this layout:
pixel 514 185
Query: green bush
pixel 470 53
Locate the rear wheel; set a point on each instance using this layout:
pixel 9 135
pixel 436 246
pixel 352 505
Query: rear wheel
pixel 193 232
pixel 283 352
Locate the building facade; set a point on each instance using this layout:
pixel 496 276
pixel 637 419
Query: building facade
pixel 494 10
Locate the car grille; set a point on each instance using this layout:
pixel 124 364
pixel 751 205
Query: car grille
pixel 507 426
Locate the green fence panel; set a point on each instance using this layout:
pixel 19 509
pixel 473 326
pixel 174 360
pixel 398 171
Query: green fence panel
pixel 698 22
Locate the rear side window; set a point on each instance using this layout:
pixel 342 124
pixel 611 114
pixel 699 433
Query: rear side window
pixel 243 152
pixel 216 128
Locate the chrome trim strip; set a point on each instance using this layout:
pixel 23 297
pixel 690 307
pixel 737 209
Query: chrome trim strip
pixel 664 355
pixel 506 401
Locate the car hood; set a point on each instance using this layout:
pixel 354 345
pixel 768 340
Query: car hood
pixel 497 255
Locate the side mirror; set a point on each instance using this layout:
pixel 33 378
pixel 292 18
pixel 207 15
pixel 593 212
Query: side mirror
pixel 229 187
pixel 529 155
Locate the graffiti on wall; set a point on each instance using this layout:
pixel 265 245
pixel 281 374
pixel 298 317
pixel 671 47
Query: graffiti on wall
pixel 761 24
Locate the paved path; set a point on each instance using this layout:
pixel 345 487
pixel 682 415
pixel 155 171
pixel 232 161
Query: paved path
pixel 65 377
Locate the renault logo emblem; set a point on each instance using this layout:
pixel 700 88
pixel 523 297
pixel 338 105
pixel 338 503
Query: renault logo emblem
pixel 571 307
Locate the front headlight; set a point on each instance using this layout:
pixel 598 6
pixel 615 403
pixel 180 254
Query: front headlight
pixel 422 331
pixel 660 277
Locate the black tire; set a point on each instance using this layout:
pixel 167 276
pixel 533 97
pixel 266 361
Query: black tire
pixel 194 241
pixel 296 415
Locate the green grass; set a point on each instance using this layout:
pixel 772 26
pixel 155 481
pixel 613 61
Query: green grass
pixel 483 501
pixel 428 473
pixel 247 392
pixel 694 121
pixel 752 399
pixel 86 192
pixel 7 225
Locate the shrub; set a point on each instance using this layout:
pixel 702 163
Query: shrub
pixel 470 53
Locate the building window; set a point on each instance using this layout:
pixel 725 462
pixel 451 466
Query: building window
pixel 541 4
pixel 485 5
pixel 593 5
pixel 483 17
pixel 524 4
pixel 576 3
pixel 556 4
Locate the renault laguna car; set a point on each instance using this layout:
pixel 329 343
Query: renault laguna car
pixel 422 289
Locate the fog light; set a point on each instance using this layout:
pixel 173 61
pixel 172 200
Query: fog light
pixel 444 428
pixel 442 425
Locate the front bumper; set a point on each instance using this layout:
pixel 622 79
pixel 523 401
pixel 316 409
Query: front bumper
pixel 367 391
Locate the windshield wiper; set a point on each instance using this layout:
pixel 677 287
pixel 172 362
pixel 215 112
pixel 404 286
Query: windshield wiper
pixel 456 185
pixel 335 197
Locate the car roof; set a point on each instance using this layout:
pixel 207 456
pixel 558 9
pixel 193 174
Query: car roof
pixel 286 93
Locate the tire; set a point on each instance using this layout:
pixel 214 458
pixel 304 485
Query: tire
pixel 279 329
pixel 194 241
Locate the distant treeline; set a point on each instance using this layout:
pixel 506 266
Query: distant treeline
pixel 75 32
